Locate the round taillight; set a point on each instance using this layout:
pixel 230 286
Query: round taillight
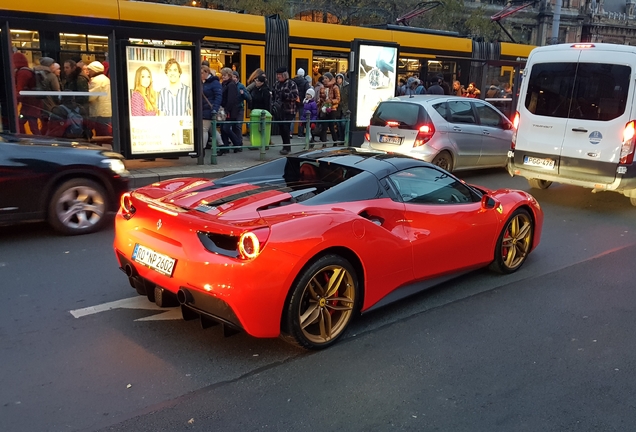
pixel 126 204
pixel 249 246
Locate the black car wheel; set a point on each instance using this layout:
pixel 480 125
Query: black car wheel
pixel 539 184
pixel 322 303
pixel 514 243
pixel 77 206
pixel 444 160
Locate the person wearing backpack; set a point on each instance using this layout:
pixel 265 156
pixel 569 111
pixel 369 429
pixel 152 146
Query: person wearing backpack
pixel 46 81
pixel 29 105
pixel 302 85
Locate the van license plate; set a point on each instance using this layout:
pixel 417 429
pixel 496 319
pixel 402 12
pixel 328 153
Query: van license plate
pixel 539 162
pixel 386 139
pixel 156 261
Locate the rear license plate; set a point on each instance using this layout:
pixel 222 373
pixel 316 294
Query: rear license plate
pixel 156 261
pixel 386 139
pixel 538 162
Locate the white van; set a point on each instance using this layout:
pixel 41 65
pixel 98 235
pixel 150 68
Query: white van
pixel 575 120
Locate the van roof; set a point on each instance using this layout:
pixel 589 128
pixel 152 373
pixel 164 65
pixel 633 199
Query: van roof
pixel 592 46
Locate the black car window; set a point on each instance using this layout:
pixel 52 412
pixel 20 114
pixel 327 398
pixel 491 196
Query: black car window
pixel 589 91
pixel 550 89
pixel 460 112
pixel 488 116
pixel 600 91
pixel 441 109
pixel 409 115
pixel 427 185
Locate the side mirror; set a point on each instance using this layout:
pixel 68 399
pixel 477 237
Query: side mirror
pixel 487 202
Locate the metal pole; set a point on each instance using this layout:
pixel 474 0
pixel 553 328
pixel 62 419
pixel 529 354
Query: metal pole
pixel 214 143
pixel 263 135
pixel 556 18
pixel 307 129
pixel 347 127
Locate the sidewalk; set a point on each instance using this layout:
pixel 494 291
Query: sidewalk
pixel 143 172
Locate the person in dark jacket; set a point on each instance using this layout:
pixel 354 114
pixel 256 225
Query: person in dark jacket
pixel 261 96
pixel 75 80
pixel 231 103
pixel 212 97
pixel 30 105
pixel 286 98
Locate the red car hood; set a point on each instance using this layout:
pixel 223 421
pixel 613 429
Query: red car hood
pixel 230 203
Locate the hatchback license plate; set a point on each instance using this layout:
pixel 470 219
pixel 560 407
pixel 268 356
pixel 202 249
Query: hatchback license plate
pixel 156 261
pixel 539 162
pixel 386 139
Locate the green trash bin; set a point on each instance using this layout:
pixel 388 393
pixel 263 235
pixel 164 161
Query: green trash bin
pixel 255 127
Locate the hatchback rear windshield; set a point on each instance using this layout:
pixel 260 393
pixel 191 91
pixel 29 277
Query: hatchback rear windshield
pixel 409 115
pixel 588 91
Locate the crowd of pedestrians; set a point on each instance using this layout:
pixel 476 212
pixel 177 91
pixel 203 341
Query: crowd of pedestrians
pixel 437 85
pixel 68 116
pixel 317 97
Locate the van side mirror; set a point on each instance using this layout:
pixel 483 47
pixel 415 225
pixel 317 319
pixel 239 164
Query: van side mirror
pixel 487 202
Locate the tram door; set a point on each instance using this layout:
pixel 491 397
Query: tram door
pixel 252 58
pixel 301 59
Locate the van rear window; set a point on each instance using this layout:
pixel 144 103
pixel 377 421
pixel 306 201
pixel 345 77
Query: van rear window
pixel 588 91
pixel 409 115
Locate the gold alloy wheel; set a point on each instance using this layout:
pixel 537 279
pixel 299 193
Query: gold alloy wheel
pixel 516 240
pixel 327 304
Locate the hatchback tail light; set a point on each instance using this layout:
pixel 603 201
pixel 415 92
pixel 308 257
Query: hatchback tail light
pixel 424 134
pixel 515 123
pixel 367 135
pixel 628 147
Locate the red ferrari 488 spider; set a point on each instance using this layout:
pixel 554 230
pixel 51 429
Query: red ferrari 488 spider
pixel 298 246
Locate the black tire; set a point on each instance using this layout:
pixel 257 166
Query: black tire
pixel 78 206
pixel 311 291
pixel 521 243
pixel 444 160
pixel 539 184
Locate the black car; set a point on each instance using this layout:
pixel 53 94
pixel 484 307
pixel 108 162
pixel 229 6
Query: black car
pixel 71 185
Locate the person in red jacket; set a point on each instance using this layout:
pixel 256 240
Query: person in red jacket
pixel 30 105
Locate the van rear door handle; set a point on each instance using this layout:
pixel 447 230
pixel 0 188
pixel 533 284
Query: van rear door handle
pixel 579 130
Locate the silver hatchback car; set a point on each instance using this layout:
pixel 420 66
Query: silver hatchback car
pixel 451 132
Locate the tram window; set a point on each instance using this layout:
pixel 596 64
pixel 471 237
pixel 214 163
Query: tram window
pixel 28 43
pixel 223 56
pixel 252 62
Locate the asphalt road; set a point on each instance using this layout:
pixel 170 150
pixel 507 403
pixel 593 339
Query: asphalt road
pixel 547 348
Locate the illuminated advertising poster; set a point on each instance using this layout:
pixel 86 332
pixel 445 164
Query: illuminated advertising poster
pixel 376 80
pixel 160 90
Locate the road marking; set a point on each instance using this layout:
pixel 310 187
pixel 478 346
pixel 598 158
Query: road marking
pixel 138 302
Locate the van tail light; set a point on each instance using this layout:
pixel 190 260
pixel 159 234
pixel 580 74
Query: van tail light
pixel 424 134
pixel 515 123
pixel 628 147
pixel 127 207
pixel 367 136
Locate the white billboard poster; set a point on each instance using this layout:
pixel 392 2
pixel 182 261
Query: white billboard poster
pixel 160 89
pixel 376 80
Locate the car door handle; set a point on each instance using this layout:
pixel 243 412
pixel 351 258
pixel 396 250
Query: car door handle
pixel 457 129
pixel 486 132
pixel 579 130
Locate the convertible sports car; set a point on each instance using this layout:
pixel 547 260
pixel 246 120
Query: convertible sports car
pixel 298 246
